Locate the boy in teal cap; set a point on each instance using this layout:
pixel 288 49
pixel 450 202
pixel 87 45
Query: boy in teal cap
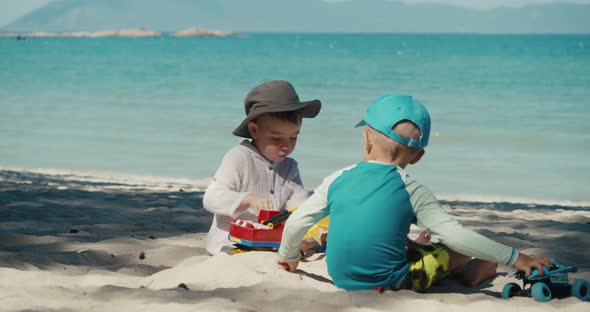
pixel 372 205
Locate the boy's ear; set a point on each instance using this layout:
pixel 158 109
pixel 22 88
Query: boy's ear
pixel 253 129
pixel 368 140
pixel 417 157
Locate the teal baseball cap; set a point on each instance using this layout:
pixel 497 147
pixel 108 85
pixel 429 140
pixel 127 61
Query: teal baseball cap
pixel 388 110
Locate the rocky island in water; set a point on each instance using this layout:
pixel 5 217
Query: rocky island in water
pixel 141 32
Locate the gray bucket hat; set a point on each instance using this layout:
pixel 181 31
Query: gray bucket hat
pixel 273 97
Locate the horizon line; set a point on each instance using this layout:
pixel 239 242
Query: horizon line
pixel 166 33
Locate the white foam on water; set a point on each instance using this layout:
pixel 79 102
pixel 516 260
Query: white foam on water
pixel 100 180
pixel 510 199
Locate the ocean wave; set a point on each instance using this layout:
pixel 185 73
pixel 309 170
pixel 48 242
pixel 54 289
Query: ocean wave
pixel 477 198
pixel 102 180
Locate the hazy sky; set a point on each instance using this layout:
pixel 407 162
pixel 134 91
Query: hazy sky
pixel 487 4
pixel 10 10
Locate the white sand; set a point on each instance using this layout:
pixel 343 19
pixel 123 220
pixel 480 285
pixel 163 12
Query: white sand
pixel 74 244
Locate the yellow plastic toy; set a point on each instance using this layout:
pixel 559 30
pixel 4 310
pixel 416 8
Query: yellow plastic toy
pixel 314 232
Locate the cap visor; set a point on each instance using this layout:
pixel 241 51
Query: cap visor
pixel 361 123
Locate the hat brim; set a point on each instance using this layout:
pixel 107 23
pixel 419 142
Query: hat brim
pixel 361 123
pixel 308 109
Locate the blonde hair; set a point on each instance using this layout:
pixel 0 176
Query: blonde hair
pixel 392 147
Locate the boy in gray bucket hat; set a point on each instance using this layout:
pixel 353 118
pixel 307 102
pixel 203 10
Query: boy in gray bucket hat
pixel 257 174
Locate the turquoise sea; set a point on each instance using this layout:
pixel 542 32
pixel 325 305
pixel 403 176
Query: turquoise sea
pixel 510 112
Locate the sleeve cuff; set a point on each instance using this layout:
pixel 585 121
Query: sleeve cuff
pixel 297 256
pixel 513 257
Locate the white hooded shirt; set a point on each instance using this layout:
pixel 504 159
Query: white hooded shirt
pixel 243 171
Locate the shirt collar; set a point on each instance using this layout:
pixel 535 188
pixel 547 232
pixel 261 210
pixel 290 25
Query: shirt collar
pixel 254 151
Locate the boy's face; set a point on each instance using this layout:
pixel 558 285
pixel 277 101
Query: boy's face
pixel 275 139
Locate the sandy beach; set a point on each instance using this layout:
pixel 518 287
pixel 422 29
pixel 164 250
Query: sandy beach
pixel 89 243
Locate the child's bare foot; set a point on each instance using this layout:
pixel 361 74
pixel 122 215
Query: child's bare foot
pixel 323 238
pixel 308 244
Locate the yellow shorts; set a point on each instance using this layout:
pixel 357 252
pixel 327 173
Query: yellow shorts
pixel 428 264
pixel 318 229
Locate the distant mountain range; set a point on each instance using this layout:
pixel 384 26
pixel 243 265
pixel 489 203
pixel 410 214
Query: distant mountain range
pixel 301 16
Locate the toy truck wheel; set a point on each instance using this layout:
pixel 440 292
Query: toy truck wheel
pixel 581 289
pixel 541 292
pixel 510 290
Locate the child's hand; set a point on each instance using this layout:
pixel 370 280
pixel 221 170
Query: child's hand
pixel 256 203
pixel 419 242
pixel 527 264
pixel 287 266
pixel 423 238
